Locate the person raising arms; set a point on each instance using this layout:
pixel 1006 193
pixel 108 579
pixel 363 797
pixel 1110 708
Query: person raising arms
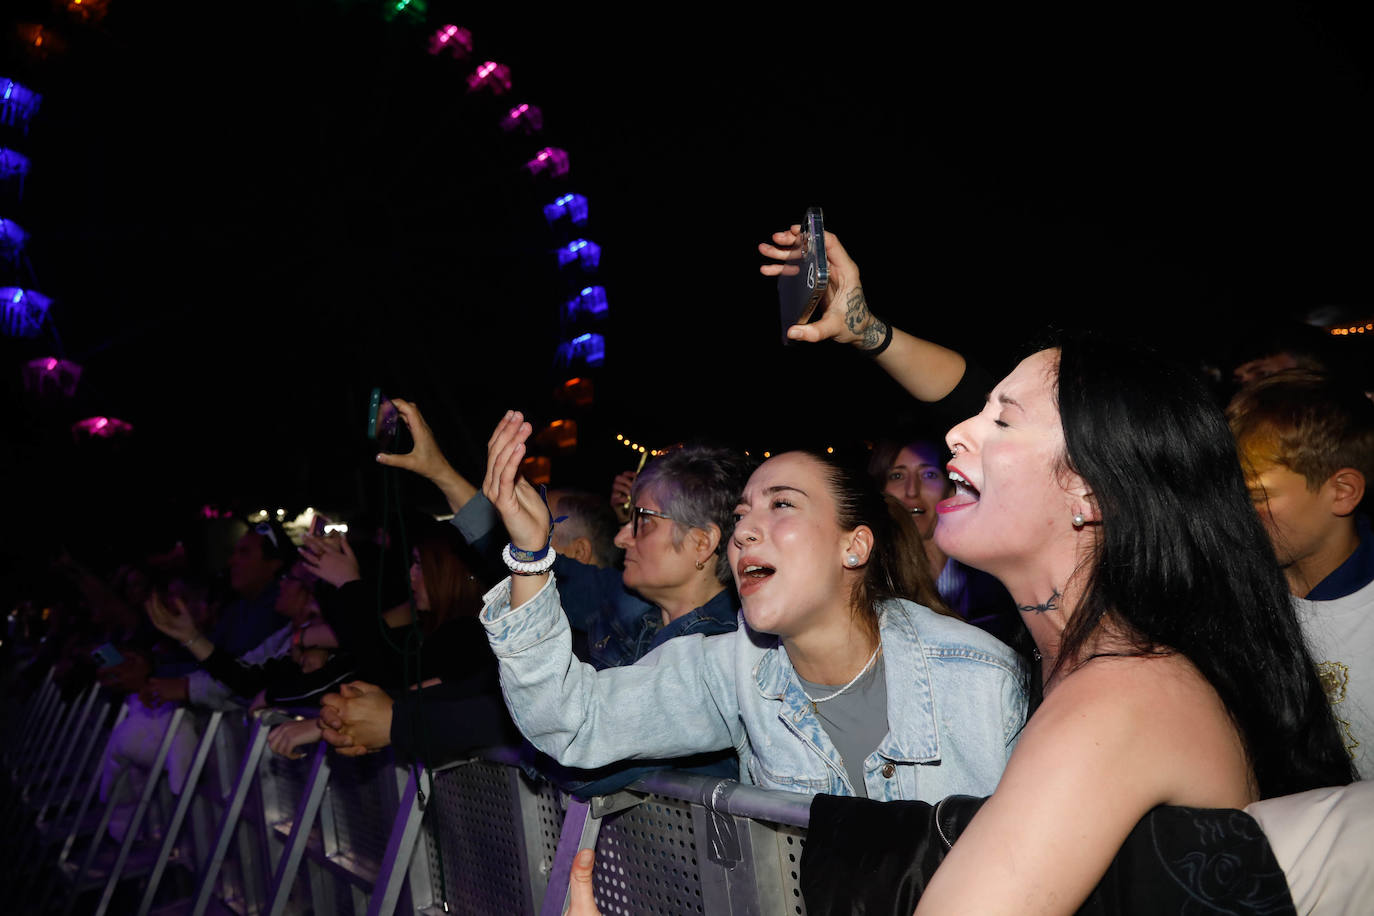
pixel 801 689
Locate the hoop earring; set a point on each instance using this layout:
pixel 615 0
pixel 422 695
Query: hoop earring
pixel 700 565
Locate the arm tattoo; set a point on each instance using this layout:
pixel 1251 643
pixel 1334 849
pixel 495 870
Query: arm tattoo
pixel 855 310
pixel 874 334
pixel 1051 604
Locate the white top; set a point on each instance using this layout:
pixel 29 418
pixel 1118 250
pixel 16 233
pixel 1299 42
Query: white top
pixel 1340 636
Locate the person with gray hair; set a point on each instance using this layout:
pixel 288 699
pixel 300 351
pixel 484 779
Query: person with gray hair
pixel 676 579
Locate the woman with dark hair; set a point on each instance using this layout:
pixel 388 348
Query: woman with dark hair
pixel 801 689
pixel 1100 484
pixel 913 473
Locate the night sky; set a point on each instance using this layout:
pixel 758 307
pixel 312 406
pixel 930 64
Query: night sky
pixel 250 214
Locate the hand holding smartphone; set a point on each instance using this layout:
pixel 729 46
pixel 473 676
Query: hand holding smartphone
pixel 804 276
pixel 385 425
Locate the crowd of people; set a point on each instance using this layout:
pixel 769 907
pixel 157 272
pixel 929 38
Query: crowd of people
pixel 1096 593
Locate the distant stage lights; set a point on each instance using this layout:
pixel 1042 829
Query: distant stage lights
pixel 580 251
pixel 491 76
pixel 17 104
pixel 525 118
pixel 451 40
pixel 572 207
pixel 25 311
pixel 550 161
pixel 1352 329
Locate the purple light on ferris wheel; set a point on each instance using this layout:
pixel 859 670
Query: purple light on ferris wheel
pixel 12 239
pixel 13 168
pixel 583 350
pixel 51 376
pixel 25 310
pixel 490 75
pixel 17 104
pixel 550 161
pixel 589 303
pixel 571 206
pixel 450 39
pixel 100 428
pixel 523 117
pixel 580 251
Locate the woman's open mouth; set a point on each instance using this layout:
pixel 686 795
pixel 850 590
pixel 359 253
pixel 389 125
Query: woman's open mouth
pixel 965 494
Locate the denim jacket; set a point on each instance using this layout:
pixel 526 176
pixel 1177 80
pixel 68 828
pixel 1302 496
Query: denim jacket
pixel 620 625
pixel 956 702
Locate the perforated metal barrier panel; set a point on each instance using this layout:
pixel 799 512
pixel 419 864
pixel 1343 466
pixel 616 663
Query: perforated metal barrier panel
pixel 647 860
pixel 497 835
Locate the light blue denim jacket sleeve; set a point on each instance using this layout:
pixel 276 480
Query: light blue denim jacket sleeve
pixel 676 701
pixel 956 702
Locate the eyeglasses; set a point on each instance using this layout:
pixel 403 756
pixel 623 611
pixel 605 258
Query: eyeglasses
pixel 639 512
pixel 268 532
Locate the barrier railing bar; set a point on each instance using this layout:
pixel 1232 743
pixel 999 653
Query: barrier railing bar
pixel 306 811
pixel 188 793
pixel 248 767
pixel 400 846
pixel 155 776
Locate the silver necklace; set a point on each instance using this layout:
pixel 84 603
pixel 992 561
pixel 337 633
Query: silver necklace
pixel 869 664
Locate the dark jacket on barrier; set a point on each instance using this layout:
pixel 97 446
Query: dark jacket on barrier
pixel 867 857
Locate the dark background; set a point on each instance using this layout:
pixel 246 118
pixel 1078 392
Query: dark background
pixel 248 215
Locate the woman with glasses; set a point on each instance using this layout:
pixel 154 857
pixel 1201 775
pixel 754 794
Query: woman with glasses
pixel 675 579
pixel 835 681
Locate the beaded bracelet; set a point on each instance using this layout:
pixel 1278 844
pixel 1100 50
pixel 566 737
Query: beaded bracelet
pixel 534 556
pixel 519 568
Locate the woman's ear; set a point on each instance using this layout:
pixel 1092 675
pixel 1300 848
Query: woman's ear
pixel 703 542
pixel 857 547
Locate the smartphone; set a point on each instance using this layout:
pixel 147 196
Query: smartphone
pixel 318 523
pixel 804 274
pixel 107 656
pixel 385 425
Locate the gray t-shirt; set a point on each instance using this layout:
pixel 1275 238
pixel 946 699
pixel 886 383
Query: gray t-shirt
pixel 855 721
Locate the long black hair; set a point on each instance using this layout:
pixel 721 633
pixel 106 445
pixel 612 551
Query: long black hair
pixel 1183 563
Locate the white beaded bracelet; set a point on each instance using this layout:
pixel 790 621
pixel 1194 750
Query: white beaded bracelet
pixel 541 565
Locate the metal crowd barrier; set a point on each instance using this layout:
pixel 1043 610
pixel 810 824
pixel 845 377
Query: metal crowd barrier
pixel 254 833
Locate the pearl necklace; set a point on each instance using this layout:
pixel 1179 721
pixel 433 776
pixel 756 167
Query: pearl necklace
pixel 869 664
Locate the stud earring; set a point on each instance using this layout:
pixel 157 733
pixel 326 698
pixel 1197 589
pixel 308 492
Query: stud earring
pixel 852 560
pixel 1078 520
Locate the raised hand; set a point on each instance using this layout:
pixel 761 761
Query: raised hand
pixel 330 558
pixel 522 509
pixel 845 317
pixel 176 623
pixel 621 488
pixel 424 458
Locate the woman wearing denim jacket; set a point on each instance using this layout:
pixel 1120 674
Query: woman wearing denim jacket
pixel 829 655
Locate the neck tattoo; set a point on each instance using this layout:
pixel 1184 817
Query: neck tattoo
pixel 1051 604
